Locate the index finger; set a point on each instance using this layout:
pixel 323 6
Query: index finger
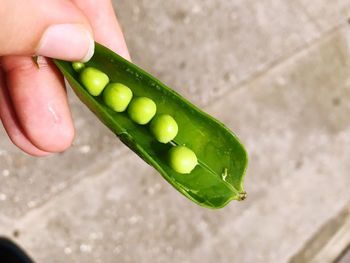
pixel 105 25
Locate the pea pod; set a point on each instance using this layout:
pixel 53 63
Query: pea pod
pixel 218 177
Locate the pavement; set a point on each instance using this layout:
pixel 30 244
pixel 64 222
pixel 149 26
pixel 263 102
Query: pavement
pixel 275 72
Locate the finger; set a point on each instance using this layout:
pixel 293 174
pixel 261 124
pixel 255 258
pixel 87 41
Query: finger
pixel 104 22
pixel 11 125
pixel 40 102
pixel 55 28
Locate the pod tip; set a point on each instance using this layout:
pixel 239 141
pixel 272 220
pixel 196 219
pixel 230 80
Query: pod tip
pixel 242 196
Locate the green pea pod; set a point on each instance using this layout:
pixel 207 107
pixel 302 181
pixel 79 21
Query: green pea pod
pixel 222 160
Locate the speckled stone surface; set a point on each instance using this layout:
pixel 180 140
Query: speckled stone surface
pixel 203 48
pixel 27 182
pixel 326 14
pixel 345 258
pixel 271 72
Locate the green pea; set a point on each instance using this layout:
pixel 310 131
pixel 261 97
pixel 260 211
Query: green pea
pixel 117 96
pixel 164 128
pixel 141 110
pixel 94 80
pixel 78 66
pixel 182 159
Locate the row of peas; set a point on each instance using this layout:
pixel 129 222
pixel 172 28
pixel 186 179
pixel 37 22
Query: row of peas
pixel 141 110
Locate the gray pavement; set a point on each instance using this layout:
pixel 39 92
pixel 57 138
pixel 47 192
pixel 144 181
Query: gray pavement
pixel 276 72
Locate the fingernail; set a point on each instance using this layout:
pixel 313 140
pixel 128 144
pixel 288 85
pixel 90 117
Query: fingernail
pixel 68 42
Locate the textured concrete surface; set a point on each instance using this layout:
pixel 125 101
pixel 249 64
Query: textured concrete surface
pixel 212 45
pixel 325 14
pixel 27 182
pixel 330 243
pixel 277 73
pixel 345 258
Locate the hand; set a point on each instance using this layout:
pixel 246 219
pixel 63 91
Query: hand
pixel 33 101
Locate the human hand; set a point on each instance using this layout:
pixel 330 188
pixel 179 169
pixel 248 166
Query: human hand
pixel 33 101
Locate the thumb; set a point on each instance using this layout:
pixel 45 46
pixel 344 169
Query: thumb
pixel 55 28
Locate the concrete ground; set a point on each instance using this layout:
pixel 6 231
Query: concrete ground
pixel 276 72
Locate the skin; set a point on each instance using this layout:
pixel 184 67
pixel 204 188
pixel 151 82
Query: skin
pixel 33 101
pixel 164 128
pixel 182 159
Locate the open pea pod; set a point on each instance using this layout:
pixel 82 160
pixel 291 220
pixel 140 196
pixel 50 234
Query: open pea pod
pixel 222 160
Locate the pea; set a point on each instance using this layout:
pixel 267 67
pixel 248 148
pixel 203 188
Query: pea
pixel 117 96
pixel 164 128
pixel 94 80
pixel 221 156
pixel 78 66
pixel 141 110
pixel 182 159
